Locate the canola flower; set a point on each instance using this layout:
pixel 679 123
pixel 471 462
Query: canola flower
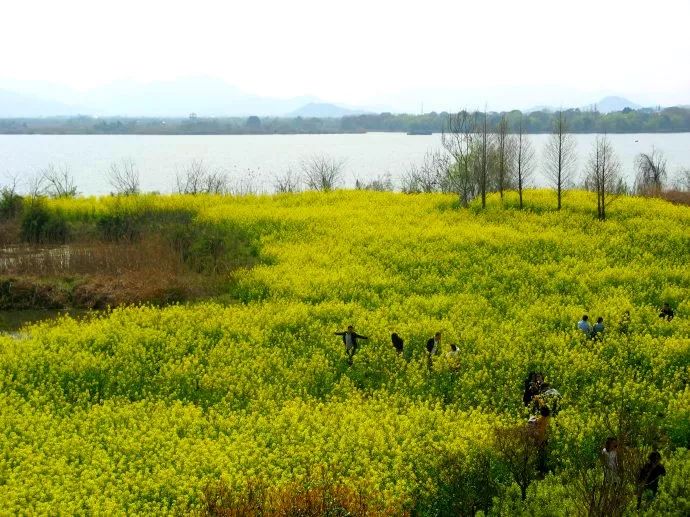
pixel 134 411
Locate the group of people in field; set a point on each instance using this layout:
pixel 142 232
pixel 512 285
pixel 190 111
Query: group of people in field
pixel 544 400
pixel 433 344
pixel 647 478
pixel 596 331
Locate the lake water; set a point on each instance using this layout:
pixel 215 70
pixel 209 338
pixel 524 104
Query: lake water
pixel 259 158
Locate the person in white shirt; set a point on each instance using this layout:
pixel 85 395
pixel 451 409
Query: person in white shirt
pixel 453 357
pixel 584 325
pixel 609 458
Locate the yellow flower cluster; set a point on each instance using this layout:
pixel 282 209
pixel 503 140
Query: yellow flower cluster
pixel 136 410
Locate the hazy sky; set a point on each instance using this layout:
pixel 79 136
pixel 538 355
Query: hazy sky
pixel 396 53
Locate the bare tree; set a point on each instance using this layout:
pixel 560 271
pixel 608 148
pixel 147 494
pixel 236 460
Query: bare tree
pixel 559 156
pixel 599 492
pixel 519 451
pixel 427 176
pixel 124 177
pixel 36 186
pixel 191 179
pixel 682 180
pixel 245 185
pixel 382 183
pixel 503 156
pixel 322 172
pixel 11 184
pixel 288 182
pixel 524 159
pixel 603 173
pixel 483 156
pixel 458 140
pixel 196 178
pixel 58 181
pixel 216 182
pixel 650 173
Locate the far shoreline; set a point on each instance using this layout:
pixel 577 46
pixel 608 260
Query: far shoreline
pixel 433 133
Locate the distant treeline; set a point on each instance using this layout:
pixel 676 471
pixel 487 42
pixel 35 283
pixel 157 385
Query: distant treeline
pixel 676 119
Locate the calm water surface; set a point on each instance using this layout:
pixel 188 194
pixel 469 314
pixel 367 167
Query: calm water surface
pixel 259 158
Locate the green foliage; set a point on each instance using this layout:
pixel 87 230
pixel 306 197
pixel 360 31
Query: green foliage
pixel 645 120
pixel 41 225
pixel 10 204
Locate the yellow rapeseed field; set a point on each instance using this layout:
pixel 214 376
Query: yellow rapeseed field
pixel 138 410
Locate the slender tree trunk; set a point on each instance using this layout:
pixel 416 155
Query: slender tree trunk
pixel 485 172
pixel 560 169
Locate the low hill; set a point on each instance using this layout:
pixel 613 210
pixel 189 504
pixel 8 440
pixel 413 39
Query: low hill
pixel 14 105
pixel 611 104
pixel 323 110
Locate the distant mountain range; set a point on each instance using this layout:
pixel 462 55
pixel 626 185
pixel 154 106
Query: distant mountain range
pixel 202 96
pixel 205 97
pixel 18 105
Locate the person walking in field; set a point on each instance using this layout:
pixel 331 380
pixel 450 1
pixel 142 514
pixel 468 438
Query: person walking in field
pixel 433 345
pixel 540 434
pixel 666 312
pixel 350 338
pixel 648 478
pixel 584 325
pixel 531 388
pixel 609 459
pixel 453 357
pixel 397 343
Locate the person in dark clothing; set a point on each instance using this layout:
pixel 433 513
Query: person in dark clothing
pixel 649 476
pixel 350 338
pixel 598 328
pixel 433 345
pixel 533 387
pixel 397 342
pixel 666 312
pixel 529 392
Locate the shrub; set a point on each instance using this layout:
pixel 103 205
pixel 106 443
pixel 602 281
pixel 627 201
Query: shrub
pixel 10 203
pixel 323 497
pixel 119 226
pixel 39 225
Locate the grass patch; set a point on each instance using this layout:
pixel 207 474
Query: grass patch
pixel 51 258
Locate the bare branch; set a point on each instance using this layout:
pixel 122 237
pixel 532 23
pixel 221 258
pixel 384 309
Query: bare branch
pixel 459 141
pixel 651 173
pixel 322 172
pixel 524 160
pixel 58 182
pixel 429 176
pixel 288 182
pixel 195 178
pixel 603 173
pixel 560 156
pixel 124 177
